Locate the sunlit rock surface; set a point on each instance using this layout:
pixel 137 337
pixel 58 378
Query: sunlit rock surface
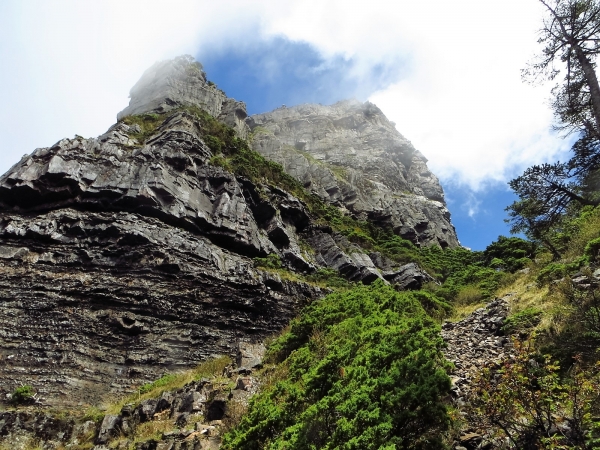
pixel 350 154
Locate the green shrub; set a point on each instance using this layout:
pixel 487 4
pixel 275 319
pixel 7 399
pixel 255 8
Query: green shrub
pixel 556 271
pixel 582 329
pixel 472 282
pixel 22 394
pixel 215 144
pixel 591 250
pixel 364 371
pixel 435 306
pixel 328 277
pixel 148 124
pixel 509 253
pixel 272 262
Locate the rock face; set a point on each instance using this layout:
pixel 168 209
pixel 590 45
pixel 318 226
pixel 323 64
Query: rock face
pixel 351 155
pixel 119 261
pixel 123 257
pixel 181 81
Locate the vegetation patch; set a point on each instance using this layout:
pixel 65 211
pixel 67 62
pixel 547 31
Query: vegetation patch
pixel 359 369
pixel 328 278
pixel 271 261
pixel 163 381
pixel 523 321
pixel 169 382
pixel 529 405
pixel 556 270
pixel 147 123
pixel 22 394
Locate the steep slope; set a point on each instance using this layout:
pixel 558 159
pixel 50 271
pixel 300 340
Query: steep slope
pixel 131 254
pixel 351 155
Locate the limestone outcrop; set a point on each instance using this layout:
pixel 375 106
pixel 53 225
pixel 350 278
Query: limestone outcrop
pixel 351 155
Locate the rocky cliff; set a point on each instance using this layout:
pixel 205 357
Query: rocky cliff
pixel 131 254
pixel 351 155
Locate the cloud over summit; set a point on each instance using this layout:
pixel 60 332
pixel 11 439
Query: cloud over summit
pixel 447 74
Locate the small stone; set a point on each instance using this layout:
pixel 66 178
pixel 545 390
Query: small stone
pixel 244 383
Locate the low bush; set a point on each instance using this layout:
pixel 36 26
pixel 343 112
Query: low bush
pixel 363 370
pixel 165 380
pixel 328 277
pixel 509 253
pixel 22 394
pixel 592 248
pixel 556 271
pixel 271 261
pixel 523 322
pixel 527 405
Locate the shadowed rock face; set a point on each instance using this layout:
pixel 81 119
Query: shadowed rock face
pixel 352 156
pixel 122 259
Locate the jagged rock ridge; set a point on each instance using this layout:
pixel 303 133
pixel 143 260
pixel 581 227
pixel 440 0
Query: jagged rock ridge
pixel 123 258
pixel 351 155
pixel 182 81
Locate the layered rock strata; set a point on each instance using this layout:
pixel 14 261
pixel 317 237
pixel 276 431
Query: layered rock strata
pixel 191 417
pixel 351 155
pixel 119 261
pixel 130 254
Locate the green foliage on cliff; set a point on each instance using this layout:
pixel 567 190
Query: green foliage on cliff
pixel 147 124
pixel 22 394
pixel 271 261
pixel 359 369
pixel 469 277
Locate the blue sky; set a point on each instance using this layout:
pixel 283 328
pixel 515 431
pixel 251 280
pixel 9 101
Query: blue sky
pixel 280 71
pixel 447 75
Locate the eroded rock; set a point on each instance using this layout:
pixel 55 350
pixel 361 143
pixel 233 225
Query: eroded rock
pixel 351 155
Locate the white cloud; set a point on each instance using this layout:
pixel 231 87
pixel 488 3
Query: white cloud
pixel 465 106
pixel 68 66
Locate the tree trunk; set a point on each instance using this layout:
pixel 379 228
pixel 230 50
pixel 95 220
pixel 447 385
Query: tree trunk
pixel 592 81
pixel 572 195
pixel 586 66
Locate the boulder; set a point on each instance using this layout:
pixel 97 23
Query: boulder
pixel 109 429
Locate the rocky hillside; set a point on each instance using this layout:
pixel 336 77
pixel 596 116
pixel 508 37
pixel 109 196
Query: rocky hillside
pixel 137 252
